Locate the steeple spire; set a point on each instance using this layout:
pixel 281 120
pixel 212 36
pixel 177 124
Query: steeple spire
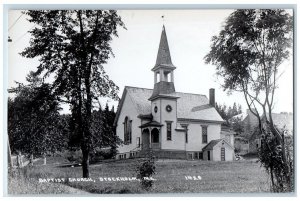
pixel 163 70
pixel 163 55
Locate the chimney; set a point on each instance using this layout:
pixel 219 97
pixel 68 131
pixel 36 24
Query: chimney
pixel 212 97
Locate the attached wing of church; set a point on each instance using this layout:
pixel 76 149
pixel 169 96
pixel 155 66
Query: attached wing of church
pixel 171 124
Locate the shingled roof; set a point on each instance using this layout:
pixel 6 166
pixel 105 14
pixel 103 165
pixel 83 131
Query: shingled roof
pixel 213 143
pixel 163 56
pixel 189 106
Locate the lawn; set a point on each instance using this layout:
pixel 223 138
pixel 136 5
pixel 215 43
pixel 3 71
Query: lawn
pixel 215 177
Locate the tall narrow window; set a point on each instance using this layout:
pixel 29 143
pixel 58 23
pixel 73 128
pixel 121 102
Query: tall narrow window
pixel 169 131
pixel 127 130
pixel 138 142
pixel 204 134
pixel 186 133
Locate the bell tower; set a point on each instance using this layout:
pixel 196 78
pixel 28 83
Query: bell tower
pixel 163 69
pixel 163 98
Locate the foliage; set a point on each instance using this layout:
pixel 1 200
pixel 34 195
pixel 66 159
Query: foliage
pixel 103 135
pixel 102 154
pixel 253 40
pixel 73 45
pixel 247 54
pixel 237 125
pixel 145 169
pixel 270 155
pixel 228 112
pixel 73 156
pixel 34 124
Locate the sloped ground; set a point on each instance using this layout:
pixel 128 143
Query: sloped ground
pixel 173 176
pixel 20 183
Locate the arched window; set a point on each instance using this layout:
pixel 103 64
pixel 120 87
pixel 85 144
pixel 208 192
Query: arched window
pixel 127 130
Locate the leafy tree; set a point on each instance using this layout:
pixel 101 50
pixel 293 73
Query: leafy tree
pixel 240 109
pixel 247 54
pixel 73 45
pixel 109 130
pixel 234 110
pixel 237 125
pixel 34 124
pixel 104 131
pixel 229 116
pixel 228 112
pixel 103 134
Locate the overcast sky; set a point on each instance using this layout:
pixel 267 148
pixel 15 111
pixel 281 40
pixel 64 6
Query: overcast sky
pixel 189 35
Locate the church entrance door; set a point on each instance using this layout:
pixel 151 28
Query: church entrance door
pixel 155 144
pixel 145 139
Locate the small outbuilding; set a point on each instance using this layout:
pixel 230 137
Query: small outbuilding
pixel 218 150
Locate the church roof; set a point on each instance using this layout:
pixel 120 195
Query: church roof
pixel 188 105
pixel 163 56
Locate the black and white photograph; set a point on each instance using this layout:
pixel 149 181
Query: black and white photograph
pixel 146 101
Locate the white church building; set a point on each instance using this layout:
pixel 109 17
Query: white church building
pixel 171 124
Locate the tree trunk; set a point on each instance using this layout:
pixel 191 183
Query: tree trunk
pixel 85 73
pixel 10 163
pixel 86 126
pixel 85 162
pixel 272 179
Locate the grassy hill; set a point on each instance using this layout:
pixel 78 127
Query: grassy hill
pixel 173 176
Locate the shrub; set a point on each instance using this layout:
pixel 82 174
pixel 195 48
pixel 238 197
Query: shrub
pixel 101 154
pixel 73 156
pixel 145 169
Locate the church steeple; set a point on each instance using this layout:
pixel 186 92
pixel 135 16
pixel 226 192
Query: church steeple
pixel 163 69
pixel 163 55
